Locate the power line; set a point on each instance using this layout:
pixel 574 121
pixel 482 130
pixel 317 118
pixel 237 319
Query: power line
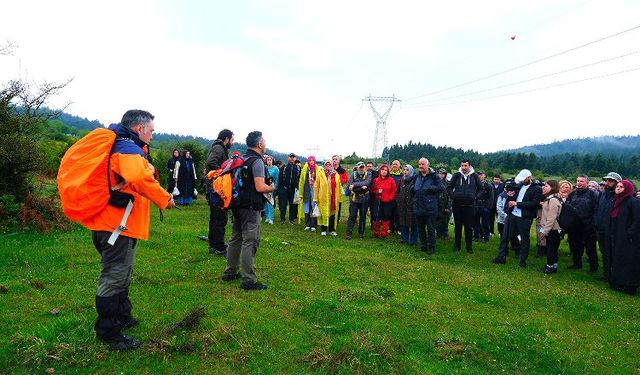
pixel 540 88
pixel 524 65
pixel 526 80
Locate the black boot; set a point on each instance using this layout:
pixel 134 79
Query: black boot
pixel 124 311
pixel 108 326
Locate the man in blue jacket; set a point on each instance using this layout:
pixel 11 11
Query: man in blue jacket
pixel 426 188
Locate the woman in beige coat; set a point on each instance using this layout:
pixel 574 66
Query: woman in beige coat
pixel 549 228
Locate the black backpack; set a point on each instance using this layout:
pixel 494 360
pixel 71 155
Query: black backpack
pixel 568 218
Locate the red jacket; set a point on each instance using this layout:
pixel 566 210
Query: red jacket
pixel 387 185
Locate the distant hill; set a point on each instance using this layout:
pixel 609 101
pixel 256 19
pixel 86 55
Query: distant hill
pixel 604 145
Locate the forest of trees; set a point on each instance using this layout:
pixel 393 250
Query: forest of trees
pixel 561 164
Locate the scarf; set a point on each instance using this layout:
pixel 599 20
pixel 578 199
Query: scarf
pixel 312 168
pixel 619 198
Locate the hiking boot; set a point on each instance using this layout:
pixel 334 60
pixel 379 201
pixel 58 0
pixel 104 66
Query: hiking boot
pixel 218 252
pixel 121 342
pixel 231 276
pixel 498 260
pixel 253 286
pixel 203 238
pixel 523 264
pixel 574 267
pixel 132 322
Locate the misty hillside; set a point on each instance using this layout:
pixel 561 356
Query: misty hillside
pixel 607 145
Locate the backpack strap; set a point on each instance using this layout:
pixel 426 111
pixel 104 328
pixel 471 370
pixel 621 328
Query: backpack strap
pixel 122 227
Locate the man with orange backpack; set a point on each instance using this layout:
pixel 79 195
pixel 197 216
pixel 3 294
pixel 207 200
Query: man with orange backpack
pixel 119 224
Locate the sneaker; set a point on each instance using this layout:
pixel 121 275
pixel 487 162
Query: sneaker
pixel 270 222
pixel 292 223
pixel 132 322
pixel 218 252
pixel 323 233
pixel 498 260
pixel 334 233
pixel 121 342
pixel 307 228
pixel 548 270
pixel 313 229
pixel 231 276
pixel 253 286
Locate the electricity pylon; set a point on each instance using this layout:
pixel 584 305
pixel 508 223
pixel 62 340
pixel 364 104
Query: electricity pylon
pixel 380 136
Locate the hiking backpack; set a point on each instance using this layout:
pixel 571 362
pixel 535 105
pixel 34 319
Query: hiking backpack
pixel 83 177
pixel 228 182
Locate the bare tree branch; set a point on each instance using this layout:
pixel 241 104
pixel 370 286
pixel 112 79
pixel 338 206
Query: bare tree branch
pixel 6 49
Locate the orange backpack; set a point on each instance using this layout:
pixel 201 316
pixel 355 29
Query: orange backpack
pixel 227 182
pixel 83 176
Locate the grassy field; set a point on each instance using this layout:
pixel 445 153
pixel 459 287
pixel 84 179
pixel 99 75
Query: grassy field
pixel 333 306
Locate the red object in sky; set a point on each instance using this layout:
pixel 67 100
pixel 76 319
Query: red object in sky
pixel 513 37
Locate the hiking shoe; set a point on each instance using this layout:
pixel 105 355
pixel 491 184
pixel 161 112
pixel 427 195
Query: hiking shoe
pixel 548 270
pixel 334 233
pixel 307 228
pixel 323 233
pixel 313 229
pixel 253 286
pixel 121 342
pixel 498 260
pixel 132 322
pixel 231 276
pixel 217 252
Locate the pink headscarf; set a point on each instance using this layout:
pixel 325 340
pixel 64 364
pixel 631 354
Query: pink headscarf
pixel 312 168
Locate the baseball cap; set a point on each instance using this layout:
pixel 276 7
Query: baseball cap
pixel 442 170
pixel 359 164
pixel 292 155
pixel 612 176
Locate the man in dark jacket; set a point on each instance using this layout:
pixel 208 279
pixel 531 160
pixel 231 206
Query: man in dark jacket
pixel 484 201
pixel 603 209
pixel 524 210
pixel 359 185
pixel 426 187
pixel 463 189
pixel 498 188
pixel 218 153
pixel 287 185
pixel 583 236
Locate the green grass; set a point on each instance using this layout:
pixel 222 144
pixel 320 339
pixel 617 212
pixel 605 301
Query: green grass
pixel 333 306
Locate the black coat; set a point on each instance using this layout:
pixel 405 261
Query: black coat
pixel 531 201
pixel 485 195
pixel 584 201
pixel 404 201
pixel 603 209
pixel 425 191
pixel 496 193
pixel 186 178
pixel 623 234
pixel 289 177
pixel 217 155
pixel 464 191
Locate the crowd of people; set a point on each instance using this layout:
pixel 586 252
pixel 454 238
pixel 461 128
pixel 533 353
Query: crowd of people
pixel 417 205
pixel 399 200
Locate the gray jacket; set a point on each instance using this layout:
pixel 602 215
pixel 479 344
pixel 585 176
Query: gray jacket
pixel 359 194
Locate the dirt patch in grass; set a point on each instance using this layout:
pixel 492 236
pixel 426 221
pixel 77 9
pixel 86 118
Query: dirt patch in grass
pixel 35 284
pixel 4 289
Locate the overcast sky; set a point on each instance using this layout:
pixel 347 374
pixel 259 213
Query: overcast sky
pixel 298 70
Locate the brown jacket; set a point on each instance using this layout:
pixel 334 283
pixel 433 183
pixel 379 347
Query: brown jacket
pixel 551 207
